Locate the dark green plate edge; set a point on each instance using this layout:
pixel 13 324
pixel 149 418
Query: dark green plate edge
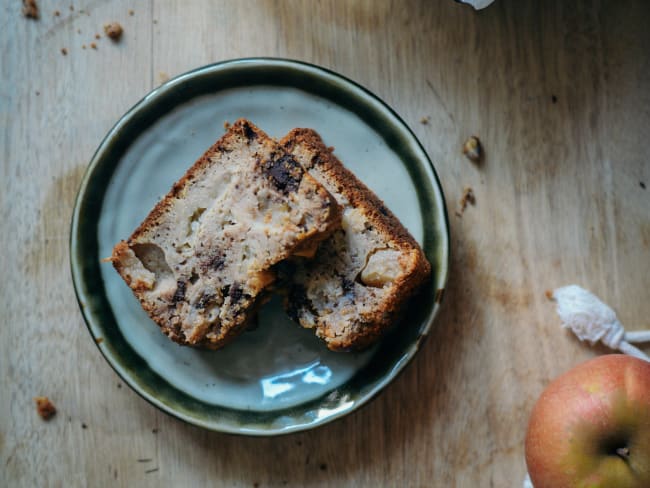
pixel 393 353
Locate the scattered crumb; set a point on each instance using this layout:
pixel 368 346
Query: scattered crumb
pixel 113 30
pixel 64 51
pixel 155 21
pixel 78 31
pixel 467 198
pixel 425 120
pixel 152 470
pixel 131 12
pixel 38 93
pixel 144 460
pixel 97 36
pixel 323 467
pixel 30 9
pixel 84 426
pixel 93 45
pixel 45 407
pixel 163 77
pixel 154 431
pixel 226 125
pixel 83 46
pixel 642 184
pixel 71 8
pixel 331 149
pixel 473 150
pixel 119 385
pixel 99 340
pixel 256 484
pixel 57 13
pixel 549 294
pixel 553 99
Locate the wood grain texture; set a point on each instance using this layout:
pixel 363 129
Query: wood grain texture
pixel 558 92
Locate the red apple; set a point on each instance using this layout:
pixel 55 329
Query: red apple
pixel 590 428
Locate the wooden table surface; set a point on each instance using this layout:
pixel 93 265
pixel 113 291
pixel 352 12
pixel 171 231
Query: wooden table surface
pixel 559 93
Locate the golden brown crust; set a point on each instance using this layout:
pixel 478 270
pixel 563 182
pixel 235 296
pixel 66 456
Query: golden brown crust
pixel 370 325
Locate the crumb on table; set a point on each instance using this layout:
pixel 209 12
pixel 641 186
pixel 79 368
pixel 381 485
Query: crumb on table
pixel 45 407
pixel 468 198
pixel 64 51
pixel 113 30
pixel 30 9
pixel 163 77
pixel 226 125
pixel 57 13
pixel 549 294
pixel 93 45
pixel 131 12
pixel 473 150
pixel 425 120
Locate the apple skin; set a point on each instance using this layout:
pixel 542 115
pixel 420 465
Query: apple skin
pixel 590 427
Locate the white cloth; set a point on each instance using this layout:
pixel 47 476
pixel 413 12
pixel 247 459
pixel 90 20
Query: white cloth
pixel 478 4
pixel 527 482
pixel 593 321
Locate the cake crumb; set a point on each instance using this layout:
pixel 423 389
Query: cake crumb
pixel 93 45
pixel 114 31
pixel 83 46
pixel 64 51
pixel 553 99
pixel 99 340
pixel 468 198
pixel 57 13
pixel 473 150
pixel 30 9
pixel 98 36
pixel 163 77
pixel 549 294
pixel 226 125
pixel 45 407
pixel 425 120
pixel 38 93
pixel 155 21
pixel 71 8
pixel 131 12
pixel 642 184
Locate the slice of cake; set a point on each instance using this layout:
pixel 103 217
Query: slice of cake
pixel 202 259
pixel 361 276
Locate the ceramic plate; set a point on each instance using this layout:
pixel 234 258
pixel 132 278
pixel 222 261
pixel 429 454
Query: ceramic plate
pixel 279 377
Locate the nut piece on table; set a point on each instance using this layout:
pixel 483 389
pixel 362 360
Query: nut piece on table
pixel 45 407
pixel 473 150
pixel 30 9
pixel 113 30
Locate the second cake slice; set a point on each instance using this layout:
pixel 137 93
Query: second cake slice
pixel 362 276
pixel 201 261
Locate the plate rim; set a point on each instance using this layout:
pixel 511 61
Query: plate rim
pixel 442 273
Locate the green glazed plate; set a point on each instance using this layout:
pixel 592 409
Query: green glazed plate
pixel 278 378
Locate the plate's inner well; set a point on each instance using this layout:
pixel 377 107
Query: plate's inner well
pixel 278 364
